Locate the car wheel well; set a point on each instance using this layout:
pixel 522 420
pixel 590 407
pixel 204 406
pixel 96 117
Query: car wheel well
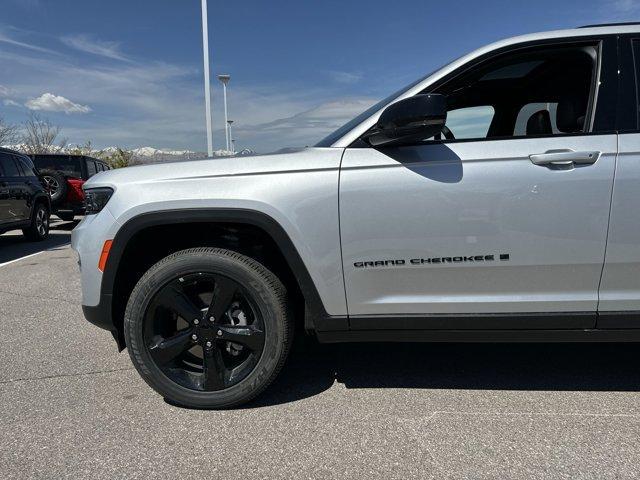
pixel 148 246
pixel 42 200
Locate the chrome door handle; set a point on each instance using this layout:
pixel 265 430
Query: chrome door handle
pixel 565 157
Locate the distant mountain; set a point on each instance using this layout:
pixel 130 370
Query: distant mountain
pixel 150 154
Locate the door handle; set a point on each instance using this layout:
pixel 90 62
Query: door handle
pixel 565 157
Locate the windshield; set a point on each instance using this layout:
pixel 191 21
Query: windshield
pixel 343 130
pixel 70 166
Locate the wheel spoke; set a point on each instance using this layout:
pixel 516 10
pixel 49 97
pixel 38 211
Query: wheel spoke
pixel 223 293
pixel 168 349
pixel 174 298
pixel 214 370
pixel 247 335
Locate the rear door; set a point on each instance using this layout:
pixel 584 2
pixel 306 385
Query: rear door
pixel 446 233
pixel 620 290
pixel 14 186
pixel 30 182
pixel 5 205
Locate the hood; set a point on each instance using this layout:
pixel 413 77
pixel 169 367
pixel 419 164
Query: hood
pixel 298 160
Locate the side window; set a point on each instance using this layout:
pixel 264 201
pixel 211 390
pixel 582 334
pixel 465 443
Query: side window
pixel 538 91
pixel 471 122
pixel 91 168
pixel 26 166
pixel 9 166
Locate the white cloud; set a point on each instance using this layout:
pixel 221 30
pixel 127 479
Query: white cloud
pixel 348 78
pixel 86 44
pixel 6 39
pixel 48 102
pixel 10 103
pixel 5 91
pixel 305 128
pixel 161 104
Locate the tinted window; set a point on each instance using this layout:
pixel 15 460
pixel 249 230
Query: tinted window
pixel 539 91
pixel 8 166
pixel 91 168
pixel 27 166
pixel 70 166
pixel 472 122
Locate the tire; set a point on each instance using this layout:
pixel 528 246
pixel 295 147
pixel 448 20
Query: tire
pixel 39 228
pixel 56 185
pixel 66 217
pixel 259 296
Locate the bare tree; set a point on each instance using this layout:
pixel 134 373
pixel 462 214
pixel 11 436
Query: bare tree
pixel 8 133
pixel 40 135
pixel 85 149
pixel 120 158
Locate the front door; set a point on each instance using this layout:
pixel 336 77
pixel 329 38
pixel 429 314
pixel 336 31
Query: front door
pixel 508 215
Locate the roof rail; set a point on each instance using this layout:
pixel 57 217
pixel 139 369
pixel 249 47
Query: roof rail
pixel 620 24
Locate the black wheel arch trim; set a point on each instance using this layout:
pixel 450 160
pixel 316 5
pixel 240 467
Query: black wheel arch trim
pixel 316 317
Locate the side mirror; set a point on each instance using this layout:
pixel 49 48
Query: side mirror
pixel 412 119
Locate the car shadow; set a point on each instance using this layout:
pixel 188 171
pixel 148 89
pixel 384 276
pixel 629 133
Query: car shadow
pixel 14 246
pixel 313 368
pixel 436 162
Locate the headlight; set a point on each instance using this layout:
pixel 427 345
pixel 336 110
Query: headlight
pixel 96 198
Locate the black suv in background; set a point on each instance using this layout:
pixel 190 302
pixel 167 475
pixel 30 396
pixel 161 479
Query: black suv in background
pixel 64 175
pixel 24 202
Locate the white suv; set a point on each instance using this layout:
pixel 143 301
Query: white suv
pixel 493 200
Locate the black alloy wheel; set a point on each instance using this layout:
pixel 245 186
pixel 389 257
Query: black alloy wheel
pixel 203 332
pixel 38 230
pixel 208 327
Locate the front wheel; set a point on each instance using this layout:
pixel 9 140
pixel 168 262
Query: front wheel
pixel 208 328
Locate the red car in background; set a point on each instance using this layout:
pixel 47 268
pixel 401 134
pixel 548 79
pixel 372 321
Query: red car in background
pixel 64 176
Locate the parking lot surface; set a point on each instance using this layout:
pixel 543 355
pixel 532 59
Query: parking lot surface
pixel 72 407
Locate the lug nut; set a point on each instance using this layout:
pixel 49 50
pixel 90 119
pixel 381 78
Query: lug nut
pixel 211 319
pixel 196 321
pixel 209 344
pixel 194 337
pixel 219 333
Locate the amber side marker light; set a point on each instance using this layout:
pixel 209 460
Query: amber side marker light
pixel 104 255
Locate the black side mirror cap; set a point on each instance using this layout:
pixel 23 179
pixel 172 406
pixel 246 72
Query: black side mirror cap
pixel 410 120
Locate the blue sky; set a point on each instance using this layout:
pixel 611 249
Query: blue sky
pixel 129 73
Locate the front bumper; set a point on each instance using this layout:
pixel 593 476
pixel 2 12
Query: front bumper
pixel 100 316
pixel 87 240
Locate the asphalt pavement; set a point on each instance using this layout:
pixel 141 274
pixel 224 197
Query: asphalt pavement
pixel 72 407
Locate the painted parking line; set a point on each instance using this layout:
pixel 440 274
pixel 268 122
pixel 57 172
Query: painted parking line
pixel 21 258
pixel 33 254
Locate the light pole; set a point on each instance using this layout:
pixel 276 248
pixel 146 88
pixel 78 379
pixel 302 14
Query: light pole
pixel 207 85
pixel 225 81
pixel 231 141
